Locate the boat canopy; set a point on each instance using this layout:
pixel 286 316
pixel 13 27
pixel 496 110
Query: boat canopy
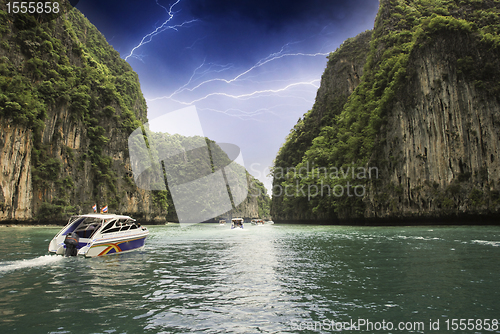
pixel 86 225
pixel 103 216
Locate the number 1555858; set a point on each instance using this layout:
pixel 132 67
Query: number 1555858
pixel 472 324
pixel 33 7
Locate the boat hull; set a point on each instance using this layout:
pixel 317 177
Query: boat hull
pixel 108 247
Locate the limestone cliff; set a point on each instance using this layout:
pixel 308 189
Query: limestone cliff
pixel 438 151
pixel 67 106
pixel 424 114
pixel 342 75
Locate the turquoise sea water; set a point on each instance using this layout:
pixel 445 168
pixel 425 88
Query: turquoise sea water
pixel 207 278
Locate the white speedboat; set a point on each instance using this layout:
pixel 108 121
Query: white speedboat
pixel 237 223
pixel 99 234
pixel 257 222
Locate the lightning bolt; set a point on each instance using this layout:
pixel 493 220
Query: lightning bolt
pixel 260 63
pixel 194 77
pixel 251 115
pixel 164 26
pixel 193 84
pixel 252 94
pixel 207 80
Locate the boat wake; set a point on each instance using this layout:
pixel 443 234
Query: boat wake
pixel 485 242
pixel 6 266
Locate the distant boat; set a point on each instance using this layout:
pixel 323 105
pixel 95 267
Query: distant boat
pixel 237 223
pixel 222 222
pixel 171 223
pixel 257 222
pixel 96 234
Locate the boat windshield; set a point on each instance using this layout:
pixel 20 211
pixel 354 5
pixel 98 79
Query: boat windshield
pixel 88 227
pixel 118 225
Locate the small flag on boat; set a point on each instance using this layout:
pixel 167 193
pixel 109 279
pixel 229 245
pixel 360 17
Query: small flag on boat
pixel 105 209
pixel 95 207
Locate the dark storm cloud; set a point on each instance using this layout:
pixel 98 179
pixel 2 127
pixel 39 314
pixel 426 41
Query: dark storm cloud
pixel 277 13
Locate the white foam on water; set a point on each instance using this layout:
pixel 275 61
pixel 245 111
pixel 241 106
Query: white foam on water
pixel 485 242
pixel 7 266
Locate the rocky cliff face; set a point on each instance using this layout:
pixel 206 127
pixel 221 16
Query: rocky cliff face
pixel 439 150
pixel 15 190
pixel 342 75
pixel 424 114
pixel 68 104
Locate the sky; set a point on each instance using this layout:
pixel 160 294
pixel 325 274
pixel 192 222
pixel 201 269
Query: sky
pixel 251 68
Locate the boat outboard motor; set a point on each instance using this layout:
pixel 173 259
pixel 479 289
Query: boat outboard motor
pixel 71 242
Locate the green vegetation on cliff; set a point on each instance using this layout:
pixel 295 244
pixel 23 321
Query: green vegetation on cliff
pixel 351 138
pixel 66 64
pixel 59 76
